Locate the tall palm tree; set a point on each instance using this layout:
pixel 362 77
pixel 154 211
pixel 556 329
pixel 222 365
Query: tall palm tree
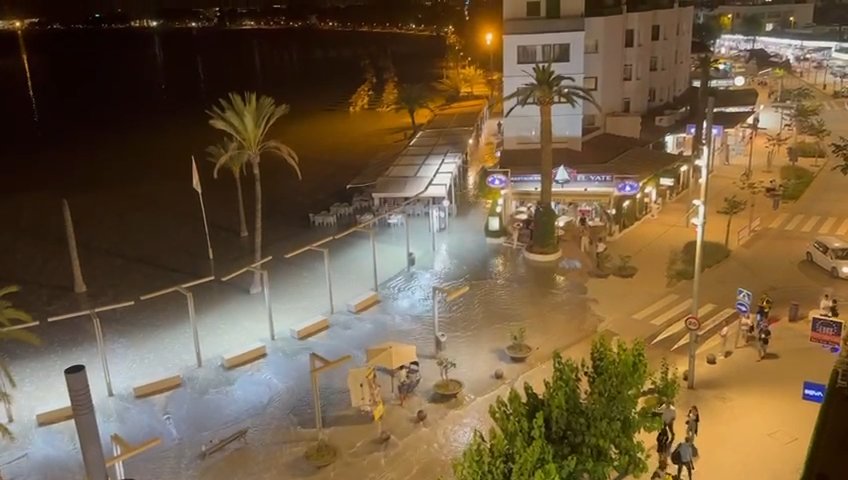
pixel 247 118
pixel 229 155
pixel 10 317
pixel 545 89
pixel 411 99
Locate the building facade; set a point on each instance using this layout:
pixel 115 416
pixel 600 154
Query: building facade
pixel 633 55
pixel 774 14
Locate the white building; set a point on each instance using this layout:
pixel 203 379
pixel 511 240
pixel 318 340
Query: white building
pixel 634 57
pixel 775 14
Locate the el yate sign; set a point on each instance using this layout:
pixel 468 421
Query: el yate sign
pixel 564 177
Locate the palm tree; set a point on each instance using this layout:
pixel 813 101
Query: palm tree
pixel 774 143
pixel 228 154
pixel 10 317
pixel 412 98
pixel 840 151
pixel 247 120
pixel 545 89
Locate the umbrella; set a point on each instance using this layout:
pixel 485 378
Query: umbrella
pixel 390 355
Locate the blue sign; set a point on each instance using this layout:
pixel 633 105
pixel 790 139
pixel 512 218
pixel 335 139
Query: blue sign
pixel 497 180
pixel 743 308
pixel 814 392
pixel 627 187
pixel 743 295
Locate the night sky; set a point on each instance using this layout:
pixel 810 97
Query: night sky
pixel 76 8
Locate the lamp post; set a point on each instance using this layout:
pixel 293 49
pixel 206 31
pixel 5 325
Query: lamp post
pixel 98 335
pixel 755 127
pixel 266 289
pixel 183 289
pixel 315 247
pixel 700 222
pixel 451 294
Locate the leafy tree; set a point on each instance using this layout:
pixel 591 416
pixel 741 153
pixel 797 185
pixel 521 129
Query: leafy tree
pixel 732 206
pixel 11 317
pixel 708 30
pixel 411 99
pixel 546 88
pixel 753 188
pixel 246 119
pixel 801 116
pixel 840 151
pixel 229 154
pixel 362 96
pixel 390 89
pixel 751 26
pixel 458 83
pixel 774 143
pixel 584 426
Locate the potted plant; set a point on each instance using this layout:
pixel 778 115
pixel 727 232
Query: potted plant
pixel 447 386
pixel 320 454
pixel 518 351
pixel 602 269
pixel 624 269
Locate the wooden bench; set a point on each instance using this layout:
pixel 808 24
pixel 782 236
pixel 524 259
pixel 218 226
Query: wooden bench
pixel 363 302
pixel 159 386
pixel 310 327
pixel 253 353
pixel 52 417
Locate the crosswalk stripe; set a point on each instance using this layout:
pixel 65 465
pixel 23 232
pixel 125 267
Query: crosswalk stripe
pixel 827 224
pixel 713 342
pixel 655 306
pixel 671 313
pixel 808 227
pixel 777 221
pixel 720 317
pixel 682 323
pixel 842 228
pixel 794 222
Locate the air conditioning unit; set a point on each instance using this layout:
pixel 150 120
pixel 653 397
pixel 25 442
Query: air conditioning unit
pixel 664 120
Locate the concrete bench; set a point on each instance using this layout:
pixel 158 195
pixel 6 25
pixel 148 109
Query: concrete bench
pixel 310 327
pixel 363 302
pixel 253 353
pixel 54 416
pixel 159 386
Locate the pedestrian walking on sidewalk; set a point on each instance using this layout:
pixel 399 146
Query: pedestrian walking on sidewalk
pixel 683 457
pixel 693 418
pixel 600 248
pixel 825 304
pixel 663 443
pixel 834 310
pixel 669 414
pixel 763 336
pixel 723 334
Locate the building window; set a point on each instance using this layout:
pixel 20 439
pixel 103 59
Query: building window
pixel 553 53
pixel 655 33
pixel 653 65
pixel 552 9
pixel 625 105
pixel 590 83
pixel 628 72
pixel 591 46
pixel 534 9
pixel 652 94
pixel 628 38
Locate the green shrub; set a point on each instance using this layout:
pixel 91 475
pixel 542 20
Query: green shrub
pixel 795 181
pixel 809 149
pixel 681 265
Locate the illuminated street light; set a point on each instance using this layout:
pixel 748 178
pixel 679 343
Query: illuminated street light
pixel 98 334
pixel 451 294
pixel 191 315
pixel 489 38
pixel 266 289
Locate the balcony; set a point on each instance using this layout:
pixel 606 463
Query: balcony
pixel 524 26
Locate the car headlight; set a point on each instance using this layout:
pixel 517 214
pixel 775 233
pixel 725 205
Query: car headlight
pixel 844 269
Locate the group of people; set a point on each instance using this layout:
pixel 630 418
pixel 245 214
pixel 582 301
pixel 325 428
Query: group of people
pixel 685 453
pixel 829 306
pixel 760 329
pixel 408 376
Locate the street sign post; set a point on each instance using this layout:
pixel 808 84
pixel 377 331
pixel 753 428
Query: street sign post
pixel 813 392
pixel 743 308
pixel 692 323
pixel 826 331
pixel 743 295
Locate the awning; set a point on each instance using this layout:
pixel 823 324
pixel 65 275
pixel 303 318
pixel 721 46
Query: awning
pixel 390 355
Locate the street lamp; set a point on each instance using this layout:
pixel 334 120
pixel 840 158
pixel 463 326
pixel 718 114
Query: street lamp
pixel 98 334
pixel 489 38
pixel 266 288
pixel 451 294
pixel 315 247
pixel 191 316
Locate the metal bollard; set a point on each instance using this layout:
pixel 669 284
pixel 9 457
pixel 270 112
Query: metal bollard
pixel 441 340
pixel 794 314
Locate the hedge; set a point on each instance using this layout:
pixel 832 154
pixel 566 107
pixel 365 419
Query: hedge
pixel 681 265
pixel 795 181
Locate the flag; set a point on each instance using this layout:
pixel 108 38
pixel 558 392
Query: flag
pixel 195 178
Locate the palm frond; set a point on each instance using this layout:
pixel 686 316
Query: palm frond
pixel 548 87
pixel 230 154
pixel 285 152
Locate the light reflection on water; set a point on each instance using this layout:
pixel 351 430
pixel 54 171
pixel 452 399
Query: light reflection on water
pixel 25 62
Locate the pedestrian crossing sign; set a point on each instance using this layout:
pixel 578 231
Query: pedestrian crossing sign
pixel 744 296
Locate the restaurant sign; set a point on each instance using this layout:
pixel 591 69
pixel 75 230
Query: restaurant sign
pixel 627 186
pixel 498 180
pixel 568 178
pixel 667 181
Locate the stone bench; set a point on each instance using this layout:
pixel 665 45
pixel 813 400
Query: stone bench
pixel 238 359
pixel 54 416
pixel 159 386
pixel 310 327
pixel 363 302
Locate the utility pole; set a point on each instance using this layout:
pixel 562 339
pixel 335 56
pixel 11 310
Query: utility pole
pixel 699 243
pixel 755 127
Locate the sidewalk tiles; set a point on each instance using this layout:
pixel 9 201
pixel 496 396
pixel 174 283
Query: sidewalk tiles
pixel 809 223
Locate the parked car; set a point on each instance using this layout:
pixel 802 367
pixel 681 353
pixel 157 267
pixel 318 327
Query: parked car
pixel 831 254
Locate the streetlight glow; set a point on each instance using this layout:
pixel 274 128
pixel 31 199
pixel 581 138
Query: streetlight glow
pixel 489 38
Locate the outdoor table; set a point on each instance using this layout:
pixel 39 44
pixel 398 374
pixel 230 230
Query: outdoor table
pixel 520 216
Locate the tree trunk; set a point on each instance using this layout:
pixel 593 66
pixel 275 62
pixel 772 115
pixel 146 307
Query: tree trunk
pixel 242 221
pixel 727 232
pixel 256 287
pixel 411 113
pixel 547 147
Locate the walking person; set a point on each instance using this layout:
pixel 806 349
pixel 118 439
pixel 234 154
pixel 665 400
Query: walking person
pixel 724 333
pixel 669 414
pixel 764 337
pixel 693 418
pixel 663 444
pixel 683 457
pixel 600 248
pixel 825 304
pixel 834 310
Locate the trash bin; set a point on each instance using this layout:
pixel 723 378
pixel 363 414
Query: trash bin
pixel 794 312
pixel 441 340
pixel 410 259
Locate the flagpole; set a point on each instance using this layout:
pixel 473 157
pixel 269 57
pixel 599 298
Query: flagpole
pixel 196 185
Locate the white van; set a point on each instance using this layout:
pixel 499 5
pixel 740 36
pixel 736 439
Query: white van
pixel 831 254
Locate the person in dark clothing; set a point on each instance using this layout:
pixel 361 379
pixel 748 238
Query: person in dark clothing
pixel 663 443
pixel 692 421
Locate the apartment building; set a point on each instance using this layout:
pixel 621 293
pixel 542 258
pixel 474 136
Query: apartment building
pixel 775 14
pixel 633 54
